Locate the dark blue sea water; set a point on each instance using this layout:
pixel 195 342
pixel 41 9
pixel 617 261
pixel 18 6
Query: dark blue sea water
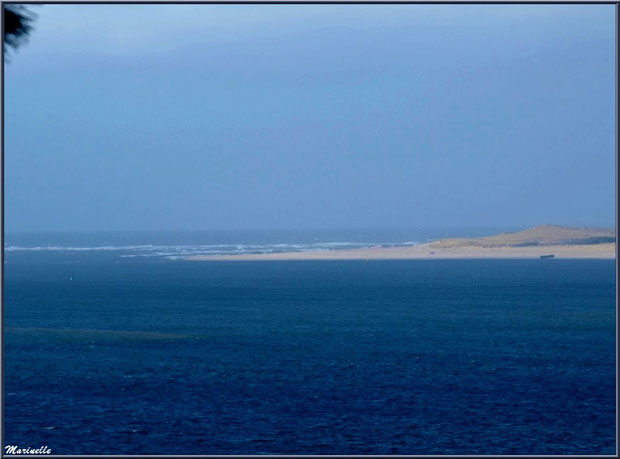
pixel 106 355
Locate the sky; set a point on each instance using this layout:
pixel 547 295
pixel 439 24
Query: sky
pixel 215 117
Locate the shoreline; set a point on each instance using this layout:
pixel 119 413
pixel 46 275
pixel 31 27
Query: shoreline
pixel 428 252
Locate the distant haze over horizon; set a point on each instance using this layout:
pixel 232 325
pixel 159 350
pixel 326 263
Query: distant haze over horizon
pixel 307 117
pixel 440 231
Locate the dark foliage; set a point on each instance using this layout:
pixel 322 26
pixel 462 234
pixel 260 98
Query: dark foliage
pixel 17 25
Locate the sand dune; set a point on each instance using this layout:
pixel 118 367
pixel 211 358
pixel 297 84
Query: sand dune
pixel 539 235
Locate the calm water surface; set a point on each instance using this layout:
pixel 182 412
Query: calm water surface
pixel 336 357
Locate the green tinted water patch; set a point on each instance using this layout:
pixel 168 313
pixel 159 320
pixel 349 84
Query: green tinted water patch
pixel 91 336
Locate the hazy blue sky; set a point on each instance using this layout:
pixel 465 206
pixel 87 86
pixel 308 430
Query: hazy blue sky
pixel 218 116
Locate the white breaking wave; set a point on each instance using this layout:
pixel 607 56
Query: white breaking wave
pixel 179 251
pixel 56 248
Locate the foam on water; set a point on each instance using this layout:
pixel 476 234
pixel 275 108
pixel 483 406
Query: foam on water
pixel 177 251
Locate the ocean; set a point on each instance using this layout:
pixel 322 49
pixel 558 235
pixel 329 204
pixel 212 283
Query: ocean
pixel 115 345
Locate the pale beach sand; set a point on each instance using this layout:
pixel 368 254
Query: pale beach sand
pixel 427 251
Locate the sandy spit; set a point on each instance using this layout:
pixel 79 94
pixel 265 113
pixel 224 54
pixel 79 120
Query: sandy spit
pixel 427 251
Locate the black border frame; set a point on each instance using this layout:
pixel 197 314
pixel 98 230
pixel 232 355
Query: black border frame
pixel 287 2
